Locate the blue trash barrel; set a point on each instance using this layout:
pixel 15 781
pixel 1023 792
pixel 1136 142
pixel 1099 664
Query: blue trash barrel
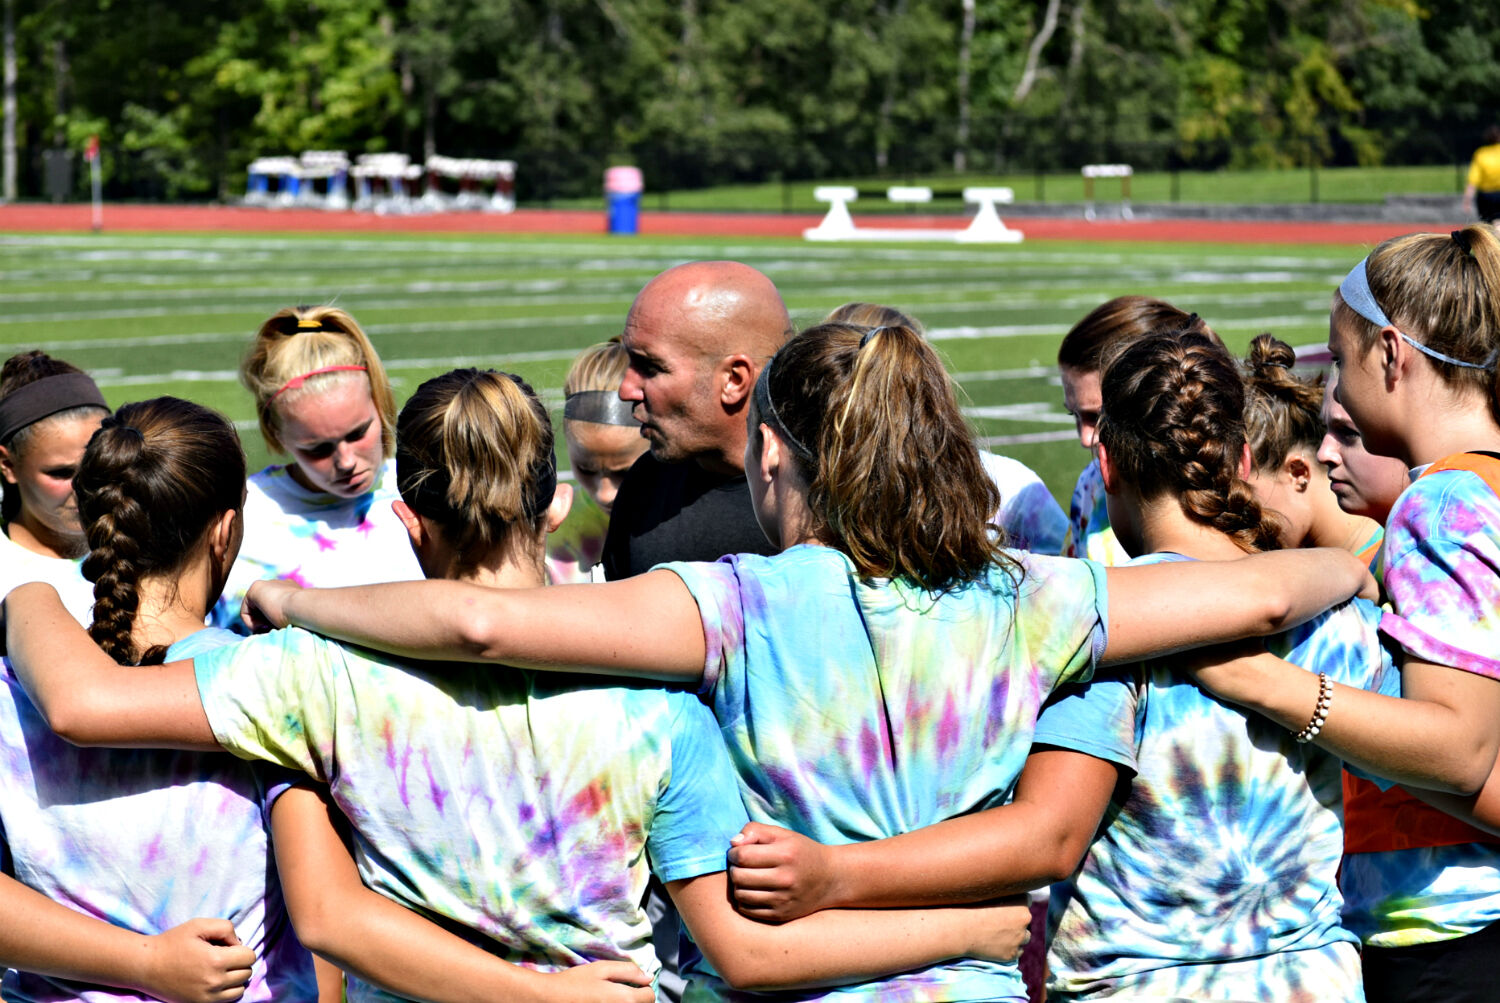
pixel 622 194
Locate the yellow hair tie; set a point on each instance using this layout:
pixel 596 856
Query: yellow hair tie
pixel 309 324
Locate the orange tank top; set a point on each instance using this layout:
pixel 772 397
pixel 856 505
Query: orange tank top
pixel 1377 820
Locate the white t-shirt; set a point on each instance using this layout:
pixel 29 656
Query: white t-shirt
pixel 19 566
pixel 316 539
pixel 1030 516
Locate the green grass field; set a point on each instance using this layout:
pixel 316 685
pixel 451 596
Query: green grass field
pixel 161 314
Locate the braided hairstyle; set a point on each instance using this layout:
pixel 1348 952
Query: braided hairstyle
pixel 1173 423
pixel 152 480
pixel 1283 411
pixel 895 480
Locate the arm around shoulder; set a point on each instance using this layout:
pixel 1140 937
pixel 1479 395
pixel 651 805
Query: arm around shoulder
pixel 1157 609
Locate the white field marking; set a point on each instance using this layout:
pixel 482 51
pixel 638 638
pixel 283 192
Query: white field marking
pixel 374 304
pixel 769 253
pixel 114 378
pixel 1022 438
pixel 1039 411
pixel 1025 330
pixel 1035 371
pixel 378 330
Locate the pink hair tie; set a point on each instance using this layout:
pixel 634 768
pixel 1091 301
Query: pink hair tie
pixel 297 381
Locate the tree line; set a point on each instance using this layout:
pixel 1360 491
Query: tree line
pixel 184 93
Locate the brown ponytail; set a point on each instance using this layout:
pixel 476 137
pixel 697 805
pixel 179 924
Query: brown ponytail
pixel 894 479
pixel 1282 410
pixel 151 482
pixel 1173 423
pixel 474 453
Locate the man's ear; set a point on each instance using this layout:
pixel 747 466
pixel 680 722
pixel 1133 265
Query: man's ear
pixel 737 373
pixel 562 504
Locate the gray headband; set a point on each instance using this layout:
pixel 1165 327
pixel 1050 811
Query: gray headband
pixel 772 417
pixel 47 396
pixel 602 407
pixel 1356 294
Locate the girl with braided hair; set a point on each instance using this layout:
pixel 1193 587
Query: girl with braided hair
pixel 1284 421
pixel 150 840
pixel 1214 875
pixel 1415 335
pixel 321 397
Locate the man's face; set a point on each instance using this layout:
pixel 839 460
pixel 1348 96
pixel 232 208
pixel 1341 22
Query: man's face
pixel 670 383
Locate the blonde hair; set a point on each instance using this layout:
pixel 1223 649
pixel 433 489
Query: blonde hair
pixel 1442 290
pixel 298 341
pixel 894 475
pixel 598 367
pixel 872 315
pixel 474 449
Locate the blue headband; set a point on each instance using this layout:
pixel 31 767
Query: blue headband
pixel 1356 294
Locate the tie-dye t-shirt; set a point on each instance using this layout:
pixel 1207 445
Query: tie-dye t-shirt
pixel 1216 878
pixel 1030 516
pixel 145 840
pixel 1089 534
pixel 575 550
pixel 523 811
pixel 316 539
pixel 1442 571
pixel 858 710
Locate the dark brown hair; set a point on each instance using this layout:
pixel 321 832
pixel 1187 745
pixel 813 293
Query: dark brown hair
pixel 1282 409
pixel 151 482
pixel 1173 423
pixel 18 371
pixel 1118 322
pixel 1442 290
pixel 484 436
pixel 896 480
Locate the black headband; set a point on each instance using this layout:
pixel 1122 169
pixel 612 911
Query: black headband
pixel 602 407
pixel 44 397
pixel 769 415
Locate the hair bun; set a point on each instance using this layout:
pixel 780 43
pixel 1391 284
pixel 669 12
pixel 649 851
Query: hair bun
pixel 1269 352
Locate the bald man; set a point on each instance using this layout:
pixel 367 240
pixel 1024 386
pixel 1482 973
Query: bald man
pixel 698 335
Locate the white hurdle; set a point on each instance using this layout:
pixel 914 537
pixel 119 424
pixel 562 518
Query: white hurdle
pixel 986 227
pixel 1092 172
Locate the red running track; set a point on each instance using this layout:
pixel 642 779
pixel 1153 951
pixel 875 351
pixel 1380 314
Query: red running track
pixel 236 219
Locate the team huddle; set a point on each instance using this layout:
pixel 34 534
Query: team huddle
pixel 835 686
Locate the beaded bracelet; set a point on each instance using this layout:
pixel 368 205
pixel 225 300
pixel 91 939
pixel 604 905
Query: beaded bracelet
pixel 1320 712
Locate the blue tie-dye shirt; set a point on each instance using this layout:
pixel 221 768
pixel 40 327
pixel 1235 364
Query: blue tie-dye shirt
pixel 857 710
pixel 1442 571
pixel 523 811
pixel 145 840
pixel 1216 877
pixel 1089 534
